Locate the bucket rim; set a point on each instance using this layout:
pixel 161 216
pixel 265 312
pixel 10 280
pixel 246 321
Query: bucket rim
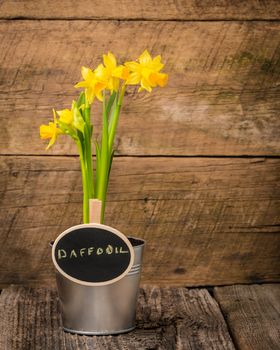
pixel 143 241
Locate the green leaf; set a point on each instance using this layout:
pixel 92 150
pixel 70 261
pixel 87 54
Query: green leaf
pixel 80 136
pixel 67 129
pixel 110 103
pixel 81 100
pixel 97 152
pixel 110 165
pixel 113 125
pixel 81 104
pixel 112 113
pixel 103 168
pixel 78 121
pixel 97 149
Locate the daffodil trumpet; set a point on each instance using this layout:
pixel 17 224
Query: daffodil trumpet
pixel 107 84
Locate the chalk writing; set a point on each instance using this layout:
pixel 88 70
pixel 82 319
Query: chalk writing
pixel 93 254
pixel 109 249
pixel 73 254
pixel 88 251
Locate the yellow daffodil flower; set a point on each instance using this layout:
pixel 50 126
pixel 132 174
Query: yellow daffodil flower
pixel 146 72
pixel 50 131
pixel 93 85
pixel 72 117
pixel 111 72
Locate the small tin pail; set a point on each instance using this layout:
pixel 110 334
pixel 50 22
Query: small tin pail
pixel 101 310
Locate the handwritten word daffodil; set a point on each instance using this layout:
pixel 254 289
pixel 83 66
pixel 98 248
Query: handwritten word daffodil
pixel 50 131
pixel 93 85
pixel 111 72
pixel 146 72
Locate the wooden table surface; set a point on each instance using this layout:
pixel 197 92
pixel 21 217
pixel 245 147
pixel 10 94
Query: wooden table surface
pixel 197 166
pixel 232 317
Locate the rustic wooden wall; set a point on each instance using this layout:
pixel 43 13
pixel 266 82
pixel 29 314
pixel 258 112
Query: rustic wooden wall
pixel 197 166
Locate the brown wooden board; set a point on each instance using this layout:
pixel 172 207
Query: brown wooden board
pixel 222 97
pixel 143 9
pixel 253 315
pixel 207 221
pixel 167 318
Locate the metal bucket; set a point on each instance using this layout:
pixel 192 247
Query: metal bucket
pixel 101 310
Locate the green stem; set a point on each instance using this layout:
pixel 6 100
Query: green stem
pixel 107 142
pixel 103 167
pixel 85 183
pixel 110 103
pixel 108 136
pixel 89 163
pixel 115 119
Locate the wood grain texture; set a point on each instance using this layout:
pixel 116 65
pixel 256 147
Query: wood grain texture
pixel 144 9
pixel 253 315
pixel 206 221
pixel 222 97
pixel 166 319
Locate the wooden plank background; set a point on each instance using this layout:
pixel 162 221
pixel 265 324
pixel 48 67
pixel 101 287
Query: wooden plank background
pixel 197 166
pixel 222 97
pixel 142 9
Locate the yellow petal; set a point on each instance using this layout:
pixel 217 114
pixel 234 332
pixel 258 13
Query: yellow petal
pixel 115 84
pixel 157 59
pixel 109 60
pixel 45 132
pixel 145 85
pixel 121 72
pixel 99 95
pixel 99 86
pixel 54 116
pixel 145 72
pixel 133 79
pixel 87 73
pixel 159 79
pixel 156 63
pixel 89 95
pixel 100 73
pixel 133 66
pixel 52 141
pixel 66 116
pixel 162 79
pixel 145 58
pixel 82 84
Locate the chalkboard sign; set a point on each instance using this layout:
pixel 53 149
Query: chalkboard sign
pixel 92 254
